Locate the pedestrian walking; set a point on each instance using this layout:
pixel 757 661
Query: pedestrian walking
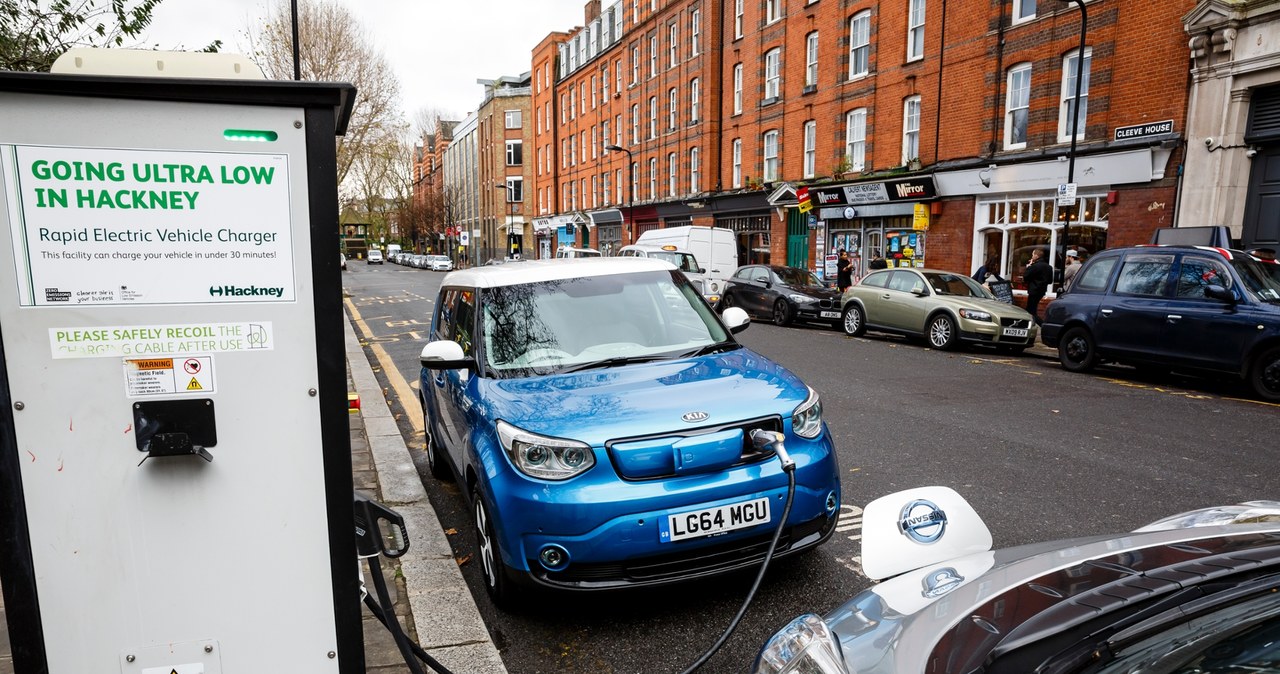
pixel 844 271
pixel 1073 267
pixel 1037 278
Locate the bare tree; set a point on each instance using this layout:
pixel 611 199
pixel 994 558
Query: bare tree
pixel 426 121
pixel 333 47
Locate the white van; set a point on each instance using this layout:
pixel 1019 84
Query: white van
pixel 715 248
pixel 577 252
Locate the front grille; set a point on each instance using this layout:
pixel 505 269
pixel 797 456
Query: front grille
pixel 828 304
pixel 689 563
pixel 749 452
pixel 1015 323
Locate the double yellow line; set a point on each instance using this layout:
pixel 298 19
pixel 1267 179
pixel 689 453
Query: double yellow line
pixel 403 391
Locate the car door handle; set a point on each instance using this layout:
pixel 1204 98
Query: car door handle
pixel 1173 317
pixel 884 296
pixel 1106 312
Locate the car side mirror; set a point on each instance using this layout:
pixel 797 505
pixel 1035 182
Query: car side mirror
pixel 1217 292
pixel 919 292
pixel 735 319
pixel 701 270
pixel 445 354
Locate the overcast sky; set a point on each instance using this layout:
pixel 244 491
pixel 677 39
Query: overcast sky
pixel 438 48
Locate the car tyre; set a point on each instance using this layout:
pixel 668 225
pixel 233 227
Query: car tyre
pixel 942 332
pixel 1077 351
pixel 497 581
pixel 726 302
pixel 854 321
pixel 437 464
pixel 781 313
pixel 1265 374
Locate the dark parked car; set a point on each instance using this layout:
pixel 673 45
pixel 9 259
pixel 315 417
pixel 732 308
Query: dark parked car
pixel 1194 308
pixel 784 294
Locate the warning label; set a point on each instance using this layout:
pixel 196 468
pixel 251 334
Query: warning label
pixel 166 376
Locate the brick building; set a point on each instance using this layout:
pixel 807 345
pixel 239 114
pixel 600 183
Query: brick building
pixel 502 129
pixel 931 132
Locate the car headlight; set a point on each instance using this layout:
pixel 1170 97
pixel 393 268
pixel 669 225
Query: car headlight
pixel 543 457
pixel 805 646
pixel 801 299
pixel 975 315
pixel 806 421
pixel 715 287
pixel 1249 512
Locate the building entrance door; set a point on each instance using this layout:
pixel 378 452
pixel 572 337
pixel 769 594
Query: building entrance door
pixel 1262 209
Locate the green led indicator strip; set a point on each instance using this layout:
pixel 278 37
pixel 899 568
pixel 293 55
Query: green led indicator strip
pixel 250 135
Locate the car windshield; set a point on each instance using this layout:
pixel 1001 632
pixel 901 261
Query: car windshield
pixel 945 283
pixel 596 321
pixel 797 278
pixel 683 261
pixel 1258 277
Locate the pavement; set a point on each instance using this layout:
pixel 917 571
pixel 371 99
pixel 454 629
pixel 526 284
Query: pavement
pixel 431 599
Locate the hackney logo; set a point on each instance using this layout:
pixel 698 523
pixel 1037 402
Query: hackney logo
pixel 922 521
pixel 245 291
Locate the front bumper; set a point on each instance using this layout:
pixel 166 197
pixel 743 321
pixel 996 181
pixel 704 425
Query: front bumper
pixel 992 332
pixel 609 528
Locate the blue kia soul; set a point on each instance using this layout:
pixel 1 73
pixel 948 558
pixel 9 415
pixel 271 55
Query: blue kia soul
pixel 599 416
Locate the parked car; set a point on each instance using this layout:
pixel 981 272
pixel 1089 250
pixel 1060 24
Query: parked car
pixel 784 294
pixel 439 263
pixel 579 404
pixel 577 252
pixel 374 256
pixel 946 308
pixel 1195 592
pixel 418 261
pixel 1194 308
pixel 343 256
pixel 685 262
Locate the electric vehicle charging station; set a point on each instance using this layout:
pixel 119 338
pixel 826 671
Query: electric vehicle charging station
pixel 175 469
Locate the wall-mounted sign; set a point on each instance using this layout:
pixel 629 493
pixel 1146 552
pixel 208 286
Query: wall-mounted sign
pixel 1144 130
pixel 917 188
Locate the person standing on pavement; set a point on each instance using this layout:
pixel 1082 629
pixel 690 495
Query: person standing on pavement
pixel 878 262
pixel 1037 278
pixel 844 271
pixel 1072 268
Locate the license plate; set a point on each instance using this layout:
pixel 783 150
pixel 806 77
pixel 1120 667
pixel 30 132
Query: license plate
pixel 1015 332
pixel 683 526
pixel 830 314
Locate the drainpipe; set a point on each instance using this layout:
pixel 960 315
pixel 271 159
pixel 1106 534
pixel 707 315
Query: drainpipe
pixel 995 109
pixel 942 59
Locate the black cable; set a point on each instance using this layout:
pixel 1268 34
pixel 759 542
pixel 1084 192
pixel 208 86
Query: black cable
pixel 417 650
pixel 389 621
pixel 773 544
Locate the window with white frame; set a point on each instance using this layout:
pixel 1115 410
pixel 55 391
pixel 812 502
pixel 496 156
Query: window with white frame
pixel 512 119
pixel 1024 10
pixel 593 92
pixel 1070 63
pixel 635 181
pixel 604 179
pixel 673 108
pixel 911 128
pixel 1010 228
pixel 635 65
pixel 772 74
pixel 604 133
pixel 582 91
pixel 617 75
pixel 671 174
pixel 548 154
pixel 810 148
pixel 635 124
pixel 573 103
pixel 653 178
pixel 855 139
pixel 915 29
pixel 770 172
pixel 653 117
pixel 1017 106
pixel 573 150
pixel 573 195
pixel 653 56
pixel 695 31
pixel 772 10
pixel 737 18
pixel 694 96
pixel 594 145
pixel 859 44
pixel 737 89
pixel 515 152
pixel 673 44
pixel 737 162
pixel 617 181
pixel 695 173
pixel 595 191
pixel 617 130
pixel 811 59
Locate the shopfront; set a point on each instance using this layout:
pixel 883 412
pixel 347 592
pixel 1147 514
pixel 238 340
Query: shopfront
pixel 515 237
pixel 608 228
pixel 754 235
pixel 876 220
pixel 542 233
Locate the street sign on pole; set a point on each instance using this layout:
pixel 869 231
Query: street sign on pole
pixel 1066 194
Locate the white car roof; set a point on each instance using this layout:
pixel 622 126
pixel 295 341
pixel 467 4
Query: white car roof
pixel 537 271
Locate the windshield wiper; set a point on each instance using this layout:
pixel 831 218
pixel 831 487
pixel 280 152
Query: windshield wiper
pixel 616 361
pixel 709 349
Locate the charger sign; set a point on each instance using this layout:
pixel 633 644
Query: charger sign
pixel 111 227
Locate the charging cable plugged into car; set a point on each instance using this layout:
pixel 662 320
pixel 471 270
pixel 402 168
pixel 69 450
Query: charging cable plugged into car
pixel 380 531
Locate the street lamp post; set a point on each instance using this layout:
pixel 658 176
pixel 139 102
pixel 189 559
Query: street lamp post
pixel 631 190
pixel 1075 132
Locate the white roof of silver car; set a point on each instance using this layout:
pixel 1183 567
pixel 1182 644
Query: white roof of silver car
pixel 537 271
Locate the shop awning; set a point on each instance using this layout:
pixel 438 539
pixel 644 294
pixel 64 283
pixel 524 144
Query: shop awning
pixel 611 216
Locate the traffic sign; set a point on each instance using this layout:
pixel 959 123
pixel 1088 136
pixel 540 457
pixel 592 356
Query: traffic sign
pixel 1066 194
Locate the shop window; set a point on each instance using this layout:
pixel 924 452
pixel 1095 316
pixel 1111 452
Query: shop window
pixel 1011 228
